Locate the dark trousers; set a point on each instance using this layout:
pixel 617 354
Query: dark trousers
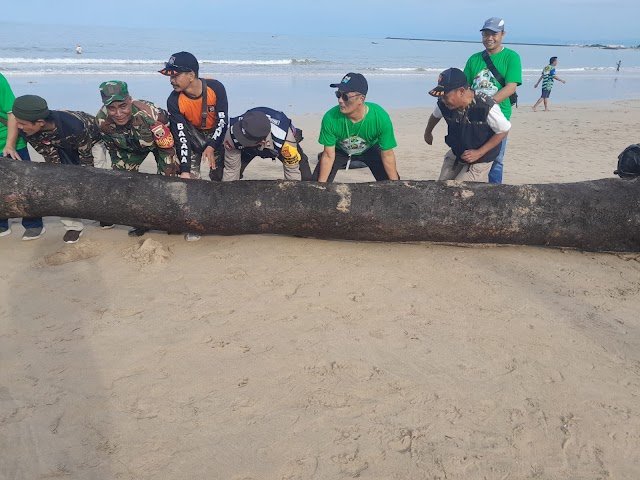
pixel 372 158
pixel 34 222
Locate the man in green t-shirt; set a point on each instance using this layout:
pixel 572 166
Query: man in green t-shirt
pixel 479 75
pixel 13 146
pixel 356 129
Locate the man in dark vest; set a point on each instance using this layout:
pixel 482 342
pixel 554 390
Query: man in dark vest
pixel 476 125
pixel 266 133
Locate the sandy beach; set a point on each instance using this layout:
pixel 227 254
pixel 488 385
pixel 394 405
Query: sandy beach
pixel 267 357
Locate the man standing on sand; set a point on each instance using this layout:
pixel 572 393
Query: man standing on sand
pixel 482 77
pixel 356 129
pixel 14 147
pixel 60 137
pixel 131 129
pixel 547 78
pixel 476 124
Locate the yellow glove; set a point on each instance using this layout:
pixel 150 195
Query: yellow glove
pixel 290 155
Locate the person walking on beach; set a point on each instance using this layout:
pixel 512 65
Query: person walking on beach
pixel 60 137
pixel 547 78
pixel 476 128
pixel 618 65
pixel 131 129
pixel 266 133
pixel 358 129
pixel 198 112
pixel 496 71
pixel 14 147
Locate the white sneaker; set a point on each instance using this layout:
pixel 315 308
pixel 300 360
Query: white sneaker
pixel 192 237
pixel 5 231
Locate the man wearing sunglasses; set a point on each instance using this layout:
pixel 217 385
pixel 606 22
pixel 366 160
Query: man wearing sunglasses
pixel 496 72
pixel 198 110
pixel 358 130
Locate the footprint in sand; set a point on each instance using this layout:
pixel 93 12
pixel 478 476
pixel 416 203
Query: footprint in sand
pixel 68 255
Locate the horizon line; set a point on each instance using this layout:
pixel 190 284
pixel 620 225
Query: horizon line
pixel 595 45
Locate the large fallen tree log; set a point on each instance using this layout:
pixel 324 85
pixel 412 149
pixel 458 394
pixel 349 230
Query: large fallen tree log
pixel 602 215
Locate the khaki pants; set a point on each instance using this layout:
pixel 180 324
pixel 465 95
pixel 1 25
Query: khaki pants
pixel 100 159
pixel 463 172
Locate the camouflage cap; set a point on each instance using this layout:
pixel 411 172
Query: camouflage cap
pixel 114 91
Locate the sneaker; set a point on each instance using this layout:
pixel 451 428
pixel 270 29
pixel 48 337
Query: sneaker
pixel 137 231
pixel 4 231
pixel 72 236
pixel 106 226
pixel 33 233
pixel 192 237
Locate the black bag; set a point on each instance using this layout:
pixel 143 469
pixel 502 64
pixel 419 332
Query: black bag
pixel 197 139
pixel 629 162
pixel 487 59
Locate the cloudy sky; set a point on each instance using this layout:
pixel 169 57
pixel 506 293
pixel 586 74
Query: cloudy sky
pixel 570 21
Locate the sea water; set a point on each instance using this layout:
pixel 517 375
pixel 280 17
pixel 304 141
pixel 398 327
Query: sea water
pixel 288 73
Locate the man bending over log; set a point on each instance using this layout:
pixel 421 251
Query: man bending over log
pixel 476 124
pixel 266 133
pixel 131 129
pixel 60 136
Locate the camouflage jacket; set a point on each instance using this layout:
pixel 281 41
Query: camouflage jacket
pixel 71 140
pixel 142 134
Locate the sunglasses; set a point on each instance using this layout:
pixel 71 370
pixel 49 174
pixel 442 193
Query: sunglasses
pixel 345 98
pixel 176 68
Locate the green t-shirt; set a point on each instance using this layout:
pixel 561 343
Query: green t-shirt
pixel 356 138
pixel 481 79
pixel 6 105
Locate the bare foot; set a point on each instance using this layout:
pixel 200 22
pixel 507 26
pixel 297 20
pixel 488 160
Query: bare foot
pixel 533 108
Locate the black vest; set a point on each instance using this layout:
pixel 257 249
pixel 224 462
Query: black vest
pixel 280 125
pixel 468 129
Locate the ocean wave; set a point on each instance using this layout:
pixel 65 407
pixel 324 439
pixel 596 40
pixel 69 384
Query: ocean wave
pixel 404 69
pixel 122 61
pixel 576 69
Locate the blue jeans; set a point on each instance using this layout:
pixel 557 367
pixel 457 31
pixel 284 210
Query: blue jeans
pixel 495 174
pixel 35 222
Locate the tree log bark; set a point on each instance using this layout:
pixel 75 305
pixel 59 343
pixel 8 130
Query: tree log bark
pixel 601 215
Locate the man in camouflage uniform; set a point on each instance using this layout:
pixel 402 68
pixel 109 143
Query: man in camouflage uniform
pixel 60 137
pixel 131 129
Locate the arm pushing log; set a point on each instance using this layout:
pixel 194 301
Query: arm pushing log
pixel 601 215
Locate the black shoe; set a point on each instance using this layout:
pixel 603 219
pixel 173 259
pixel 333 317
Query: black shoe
pixel 106 226
pixel 137 231
pixel 72 236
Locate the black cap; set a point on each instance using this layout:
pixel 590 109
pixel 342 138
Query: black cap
pixel 448 80
pixel 181 62
pixel 252 128
pixel 352 82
